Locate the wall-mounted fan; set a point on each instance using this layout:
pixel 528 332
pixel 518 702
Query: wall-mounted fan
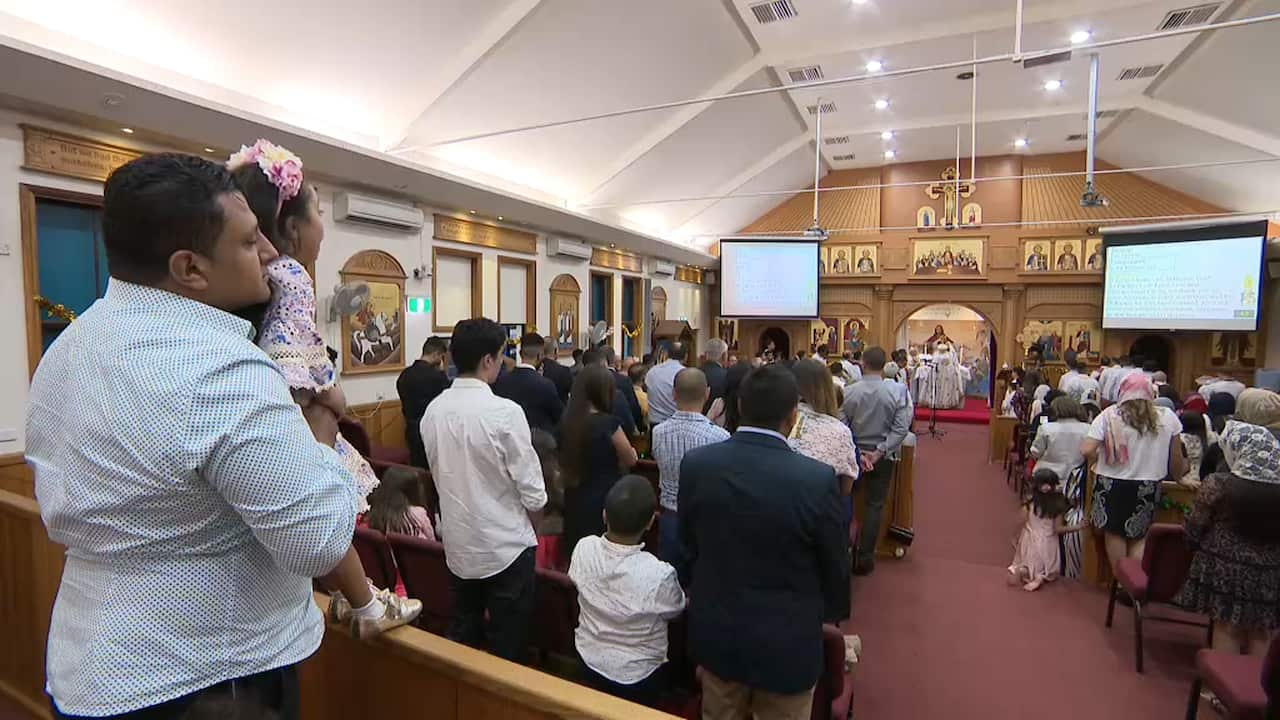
pixel 347 299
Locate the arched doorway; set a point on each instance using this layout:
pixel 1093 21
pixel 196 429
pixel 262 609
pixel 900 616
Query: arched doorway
pixel 969 332
pixel 1155 348
pixel 780 339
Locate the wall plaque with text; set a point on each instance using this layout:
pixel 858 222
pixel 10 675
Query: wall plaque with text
pixel 457 230
pixel 61 154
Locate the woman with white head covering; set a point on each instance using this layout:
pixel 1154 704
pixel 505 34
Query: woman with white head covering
pixel 1137 445
pixel 1235 566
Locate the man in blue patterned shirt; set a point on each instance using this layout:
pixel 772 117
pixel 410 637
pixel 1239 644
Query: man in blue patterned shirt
pixel 191 494
pixel 686 429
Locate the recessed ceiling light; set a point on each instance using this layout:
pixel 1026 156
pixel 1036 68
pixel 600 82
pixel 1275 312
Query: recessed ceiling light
pixel 875 66
pixel 1020 142
pixel 1053 85
pixel 127 131
pixel 499 217
pixel 613 245
pixel 886 135
pixel 859 2
pixel 210 150
pixel 1080 36
pixel 881 104
pixel 473 212
pixel 890 154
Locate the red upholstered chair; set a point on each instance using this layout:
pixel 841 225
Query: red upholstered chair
pixel 1245 685
pixel 555 614
pixel 375 555
pixel 426 577
pixel 1156 578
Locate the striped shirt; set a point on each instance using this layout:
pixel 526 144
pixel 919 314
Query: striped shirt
pixel 682 432
pixel 192 498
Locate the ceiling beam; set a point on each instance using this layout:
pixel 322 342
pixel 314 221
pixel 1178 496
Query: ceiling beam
pixel 453 69
pixel 806 53
pixel 747 175
pixel 954 119
pixel 679 118
pixel 1239 134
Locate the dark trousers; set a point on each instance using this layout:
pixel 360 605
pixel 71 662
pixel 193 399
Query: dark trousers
pixel 648 692
pixel 670 548
pixel 270 695
pixel 508 598
pixel 875 488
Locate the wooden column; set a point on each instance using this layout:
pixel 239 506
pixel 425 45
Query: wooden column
pixel 882 316
pixel 1014 309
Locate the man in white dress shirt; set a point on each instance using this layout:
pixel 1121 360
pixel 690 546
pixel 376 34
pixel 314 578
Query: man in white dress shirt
pixel 1076 381
pixel 489 480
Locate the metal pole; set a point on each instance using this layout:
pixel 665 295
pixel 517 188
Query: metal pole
pixel 1017 33
pixel 973 115
pixel 817 160
pixel 903 72
pixel 1090 198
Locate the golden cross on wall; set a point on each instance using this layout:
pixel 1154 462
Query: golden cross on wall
pixel 948 189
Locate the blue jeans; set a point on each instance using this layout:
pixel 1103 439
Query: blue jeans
pixel 670 548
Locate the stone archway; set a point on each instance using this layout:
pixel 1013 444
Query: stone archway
pixel 967 327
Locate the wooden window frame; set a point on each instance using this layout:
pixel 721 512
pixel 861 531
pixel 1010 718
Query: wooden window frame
pixel 477 290
pixel 530 288
pixel 28 195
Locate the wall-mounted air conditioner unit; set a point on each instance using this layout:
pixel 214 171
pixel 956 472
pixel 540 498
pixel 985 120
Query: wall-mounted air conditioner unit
pixel 350 207
pixel 662 267
pixel 568 248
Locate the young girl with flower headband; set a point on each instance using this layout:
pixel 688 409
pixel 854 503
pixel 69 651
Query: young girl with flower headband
pixel 1036 560
pixel 270 177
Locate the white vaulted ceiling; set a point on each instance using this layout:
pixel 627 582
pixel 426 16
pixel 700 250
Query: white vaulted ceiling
pixel 406 76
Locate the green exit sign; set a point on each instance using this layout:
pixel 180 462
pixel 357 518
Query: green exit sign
pixel 419 305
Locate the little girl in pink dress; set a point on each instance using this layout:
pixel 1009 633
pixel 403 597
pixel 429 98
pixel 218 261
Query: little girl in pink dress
pixel 1036 556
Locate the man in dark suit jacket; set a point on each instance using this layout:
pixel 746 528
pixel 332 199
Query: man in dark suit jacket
pixel 713 368
pixel 559 375
pixel 526 387
pixel 417 386
pixel 764 530
pixel 623 383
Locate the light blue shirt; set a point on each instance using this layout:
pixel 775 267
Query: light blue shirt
pixel 192 498
pixel 682 432
pixel 659 383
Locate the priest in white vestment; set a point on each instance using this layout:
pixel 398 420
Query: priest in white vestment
pixel 940 380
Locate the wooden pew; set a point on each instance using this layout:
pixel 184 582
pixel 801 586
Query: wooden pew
pixel 898 506
pixel 406 674
pixel 1095 569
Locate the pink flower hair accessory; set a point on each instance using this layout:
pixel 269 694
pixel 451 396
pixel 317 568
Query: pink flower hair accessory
pixel 282 168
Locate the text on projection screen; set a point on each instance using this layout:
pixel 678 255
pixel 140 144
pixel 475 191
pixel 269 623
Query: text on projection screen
pixel 1196 285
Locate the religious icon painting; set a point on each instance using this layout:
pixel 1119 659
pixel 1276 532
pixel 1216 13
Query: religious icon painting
pixel 947 259
pixel 832 334
pixel 1067 255
pixel 374 333
pixel 1046 336
pixel 824 259
pixel 1094 258
pixel 728 332
pixel 1036 254
pixel 854 335
pixel 971 215
pixel 841 260
pixel 866 259
pixel 926 218
pixel 1082 336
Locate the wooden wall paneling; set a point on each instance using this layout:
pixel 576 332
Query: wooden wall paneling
pixel 530 288
pixel 1128 195
pixel 16 476
pixel 383 421
pixel 616 260
pixel 477 284
pixel 30 570
pixel 452 229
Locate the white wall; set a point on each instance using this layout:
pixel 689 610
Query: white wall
pixel 342 240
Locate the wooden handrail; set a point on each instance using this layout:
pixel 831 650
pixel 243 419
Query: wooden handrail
pixel 19 505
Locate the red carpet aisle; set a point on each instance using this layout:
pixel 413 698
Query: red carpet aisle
pixel 944 637
pixel 974 412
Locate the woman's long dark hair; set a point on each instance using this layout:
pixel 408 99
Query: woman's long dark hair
pixel 1193 424
pixel 1221 407
pixel 592 390
pixel 1250 509
pixel 389 503
pixel 263 198
pixel 1050 504
pixel 732 381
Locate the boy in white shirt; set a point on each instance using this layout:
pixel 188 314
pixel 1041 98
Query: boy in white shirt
pixel 625 596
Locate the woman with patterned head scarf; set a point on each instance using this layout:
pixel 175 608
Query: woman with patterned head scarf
pixel 1257 406
pixel 1137 445
pixel 1235 566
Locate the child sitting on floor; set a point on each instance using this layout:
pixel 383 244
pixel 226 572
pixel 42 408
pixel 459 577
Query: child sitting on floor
pixel 626 596
pixel 1036 559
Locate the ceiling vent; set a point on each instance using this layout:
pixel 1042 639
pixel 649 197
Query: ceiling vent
pixel 842 158
pixel 808 73
pixel 836 140
pixel 773 11
pixel 1140 72
pixel 1076 137
pixel 1188 17
pixel 827 108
